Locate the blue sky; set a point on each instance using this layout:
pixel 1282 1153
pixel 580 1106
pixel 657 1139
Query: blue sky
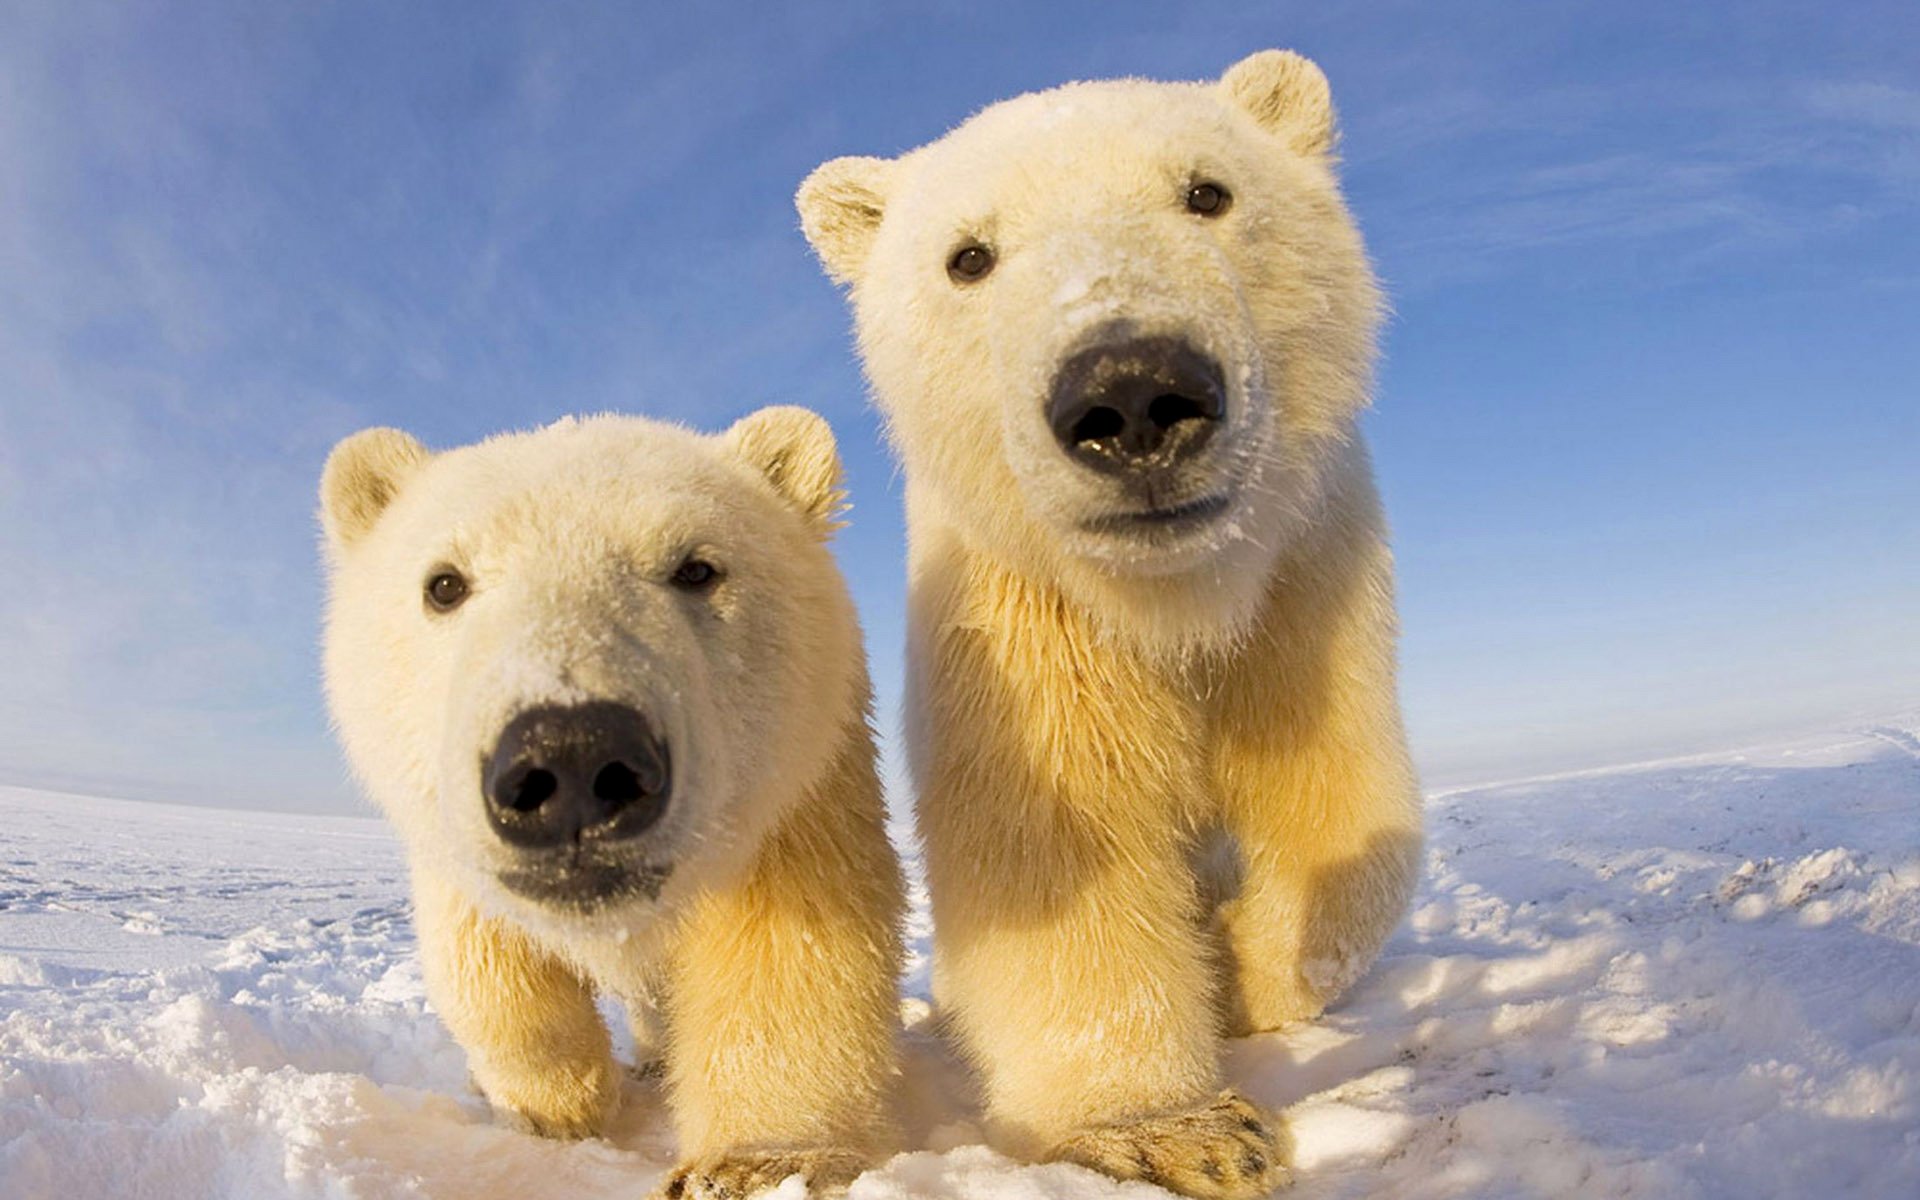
pixel 1647 428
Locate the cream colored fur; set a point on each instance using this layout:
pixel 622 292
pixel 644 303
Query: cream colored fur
pixel 1098 721
pixel 763 974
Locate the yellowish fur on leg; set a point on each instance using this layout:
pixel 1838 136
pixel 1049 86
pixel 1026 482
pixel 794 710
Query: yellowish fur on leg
pixel 1067 920
pixel 782 1003
pixel 1316 786
pixel 535 1044
pixel 1224 1150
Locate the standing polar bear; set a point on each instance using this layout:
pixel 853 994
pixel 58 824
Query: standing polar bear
pixel 1121 333
pixel 607 682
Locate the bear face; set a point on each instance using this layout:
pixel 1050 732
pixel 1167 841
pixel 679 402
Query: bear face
pixel 1120 330
pixel 581 668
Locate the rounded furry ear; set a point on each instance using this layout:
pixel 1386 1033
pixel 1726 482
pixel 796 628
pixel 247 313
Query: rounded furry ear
pixel 1288 95
pixel 794 448
pixel 363 474
pixel 841 204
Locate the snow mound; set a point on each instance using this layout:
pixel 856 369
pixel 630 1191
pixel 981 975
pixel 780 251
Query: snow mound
pixel 1689 979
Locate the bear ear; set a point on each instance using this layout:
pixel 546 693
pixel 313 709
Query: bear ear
pixel 1288 95
pixel 362 476
pixel 794 449
pixel 840 205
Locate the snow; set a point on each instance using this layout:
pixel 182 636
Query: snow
pixel 1697 978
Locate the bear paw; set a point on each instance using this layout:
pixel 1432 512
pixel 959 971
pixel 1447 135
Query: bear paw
pixel 1226 1150
pixel 738 1176
pixel 1272 1007
pixel 560 1102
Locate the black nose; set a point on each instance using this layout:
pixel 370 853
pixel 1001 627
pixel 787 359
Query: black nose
pixel 590 772
pixel 1139 405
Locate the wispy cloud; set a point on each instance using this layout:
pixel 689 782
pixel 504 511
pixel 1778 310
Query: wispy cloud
pixel 1676 178
pixel 1873 104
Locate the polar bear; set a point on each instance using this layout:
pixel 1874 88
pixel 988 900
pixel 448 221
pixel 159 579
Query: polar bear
pixel 608 684
pixel 1120 333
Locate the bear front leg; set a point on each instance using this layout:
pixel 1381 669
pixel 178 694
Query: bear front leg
pixel 1308 922
pixel 782 1004
pixel 535 1044
pixel 1090 1012
pixel 1056 776
pixel 1330 853
pixel 1317 789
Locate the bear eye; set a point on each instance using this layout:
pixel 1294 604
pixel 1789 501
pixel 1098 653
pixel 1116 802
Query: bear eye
pixel 695 574
pixel 970 263
pixel 447 589
pixel 1208 199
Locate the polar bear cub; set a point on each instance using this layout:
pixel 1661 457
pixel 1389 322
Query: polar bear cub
pixel 607 683
pixel 1121 332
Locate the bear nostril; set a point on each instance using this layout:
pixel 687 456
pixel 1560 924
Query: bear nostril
pixel 1099 422
pixel 1169 410
pixel 533 789
pixel 617 784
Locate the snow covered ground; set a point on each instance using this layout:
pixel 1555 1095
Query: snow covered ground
pixel 1691 978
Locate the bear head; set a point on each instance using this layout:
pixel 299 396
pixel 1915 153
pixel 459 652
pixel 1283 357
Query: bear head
pixel 1119 332
pixel 582 669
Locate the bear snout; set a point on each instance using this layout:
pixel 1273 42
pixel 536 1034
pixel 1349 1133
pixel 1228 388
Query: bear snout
pixel 1135 408
pixel 585 773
